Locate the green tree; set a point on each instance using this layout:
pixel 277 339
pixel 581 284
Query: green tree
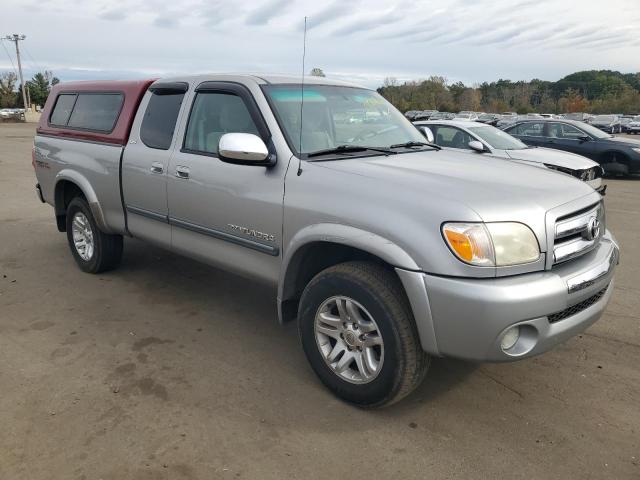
pixel 40 86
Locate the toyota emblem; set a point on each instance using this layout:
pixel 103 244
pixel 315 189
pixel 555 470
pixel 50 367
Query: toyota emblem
pixel 593 229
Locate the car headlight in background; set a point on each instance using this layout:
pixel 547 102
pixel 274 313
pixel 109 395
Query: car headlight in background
pixel 496 244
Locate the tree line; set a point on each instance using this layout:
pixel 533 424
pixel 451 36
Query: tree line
pixel 594 91
pixel 37 88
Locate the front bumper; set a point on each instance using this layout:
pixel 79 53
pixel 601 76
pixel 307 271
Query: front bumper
pixel 468 317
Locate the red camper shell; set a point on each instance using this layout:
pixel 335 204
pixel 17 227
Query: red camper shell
pixel 112 106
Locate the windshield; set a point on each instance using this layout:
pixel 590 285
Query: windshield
pixel 334 116
pixel 497 138
pixel 604 118
pixel 593 131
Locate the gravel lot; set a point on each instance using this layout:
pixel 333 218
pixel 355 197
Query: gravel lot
pixel 168 369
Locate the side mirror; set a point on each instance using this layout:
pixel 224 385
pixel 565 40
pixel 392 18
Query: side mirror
pixel 477 145
pixel 426 131
pixel 243 148
pixel 584 138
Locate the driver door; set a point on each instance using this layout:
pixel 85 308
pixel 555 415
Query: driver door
pixel 228 215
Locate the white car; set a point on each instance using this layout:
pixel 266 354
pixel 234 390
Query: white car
pixel 634 125
pixel 477 138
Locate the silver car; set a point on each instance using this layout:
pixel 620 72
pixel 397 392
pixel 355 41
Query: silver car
pixel 477 138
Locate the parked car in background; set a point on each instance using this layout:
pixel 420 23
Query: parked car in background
pixel 507 118
pixel 607 123
pixel 577 116
pixel 634 126
pixel 468 116
pixel 617 155
pixel 489 118
pixel 424 115
pixel 481 138
pixel 624 123
pixel 411 114
pixel 442 116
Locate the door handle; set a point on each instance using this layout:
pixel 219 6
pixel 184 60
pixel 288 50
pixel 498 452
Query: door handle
pixel 182 172
pixel 157 167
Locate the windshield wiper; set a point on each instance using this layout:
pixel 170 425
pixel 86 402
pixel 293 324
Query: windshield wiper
pixel 416 144
pixel 349 149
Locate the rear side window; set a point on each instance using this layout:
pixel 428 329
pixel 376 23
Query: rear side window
pixel 96 111
pixel 160 119
pixel 62 109
pixel 213 115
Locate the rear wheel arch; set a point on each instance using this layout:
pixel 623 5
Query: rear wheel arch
pixel 70 185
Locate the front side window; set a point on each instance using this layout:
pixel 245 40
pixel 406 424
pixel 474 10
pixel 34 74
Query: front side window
pixel 212 115
pixel 160 119
pixel 452 137
pixel 335 116
pixel 62 109
pixel 96 111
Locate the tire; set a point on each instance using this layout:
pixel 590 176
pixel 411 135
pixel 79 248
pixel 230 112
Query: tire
pixel 101 252
pixel 377 295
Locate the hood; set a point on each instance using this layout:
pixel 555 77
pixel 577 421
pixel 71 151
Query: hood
pixel 552 157
pixel 494 189
pixel 630 142
pixel 603 122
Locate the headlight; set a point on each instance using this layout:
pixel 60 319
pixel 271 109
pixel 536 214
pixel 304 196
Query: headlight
pixel 637 150
pixel 492 244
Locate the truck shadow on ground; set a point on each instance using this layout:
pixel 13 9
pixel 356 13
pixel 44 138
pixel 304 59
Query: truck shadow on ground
pixel 249 307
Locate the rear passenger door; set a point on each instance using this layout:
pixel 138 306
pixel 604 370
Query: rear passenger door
pixel 229 215
pixel 146 162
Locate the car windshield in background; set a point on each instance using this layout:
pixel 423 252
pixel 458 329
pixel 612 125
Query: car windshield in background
pixel 593 131
pixel 335 116
pixel 497 139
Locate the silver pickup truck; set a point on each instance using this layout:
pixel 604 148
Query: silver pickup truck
pixel 385 248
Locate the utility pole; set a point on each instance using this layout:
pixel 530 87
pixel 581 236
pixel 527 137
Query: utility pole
pixel 15 38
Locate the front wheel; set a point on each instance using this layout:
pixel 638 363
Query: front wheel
pixel 93 250
pixel 359 335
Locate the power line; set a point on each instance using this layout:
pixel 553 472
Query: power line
pixel 38 66
pixel 9 55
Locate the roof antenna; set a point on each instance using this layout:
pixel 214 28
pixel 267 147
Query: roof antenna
pixel 304 52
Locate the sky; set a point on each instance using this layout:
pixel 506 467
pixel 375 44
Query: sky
pixel 356 40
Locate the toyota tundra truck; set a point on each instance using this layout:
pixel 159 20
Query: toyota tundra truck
pixel 386 250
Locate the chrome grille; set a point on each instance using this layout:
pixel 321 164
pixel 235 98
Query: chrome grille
pixel 578 233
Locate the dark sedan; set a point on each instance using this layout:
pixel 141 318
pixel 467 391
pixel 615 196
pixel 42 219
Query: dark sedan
pixel 617 155
pixel 607 123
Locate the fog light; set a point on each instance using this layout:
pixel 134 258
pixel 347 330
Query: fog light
pixel 510 338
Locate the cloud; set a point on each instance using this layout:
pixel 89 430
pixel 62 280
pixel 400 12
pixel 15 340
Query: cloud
pixel 335 10
pixel 362 24
pixel 114 15
pixel 262 15
pixel 166 21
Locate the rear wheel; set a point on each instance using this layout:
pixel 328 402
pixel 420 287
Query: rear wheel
pixel 359 335
pixel 615 164
pixel 93 250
